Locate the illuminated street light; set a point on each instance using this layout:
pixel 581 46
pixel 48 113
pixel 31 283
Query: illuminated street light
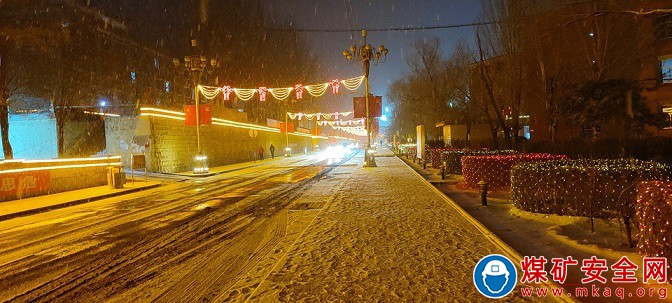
pixel 366 53
pixel 195 66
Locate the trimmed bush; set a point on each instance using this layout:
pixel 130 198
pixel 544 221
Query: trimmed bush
pixel 654 212
pixel 453 158
pixel 589 188
pixel 435 155
pixel 496 169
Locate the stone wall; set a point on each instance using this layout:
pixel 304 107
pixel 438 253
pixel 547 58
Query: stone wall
pixel 171 146
pixel 19 179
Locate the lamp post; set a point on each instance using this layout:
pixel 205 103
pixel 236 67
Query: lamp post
pixel 365 53
pixel 195 66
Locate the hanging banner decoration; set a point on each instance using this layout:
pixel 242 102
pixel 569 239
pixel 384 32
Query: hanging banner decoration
pixel 299 91
pixel 315 90
pixel 375 106
pixel 334 86
pixel 226 91
pixel 262 93
pixel 294 116
pixel 341 122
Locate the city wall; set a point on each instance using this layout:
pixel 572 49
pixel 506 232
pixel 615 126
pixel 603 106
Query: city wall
pixel 170 146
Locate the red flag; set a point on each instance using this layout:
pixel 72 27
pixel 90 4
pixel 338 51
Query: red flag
pixel 190 114
pixel 283 127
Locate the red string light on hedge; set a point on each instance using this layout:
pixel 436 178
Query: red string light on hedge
pixel 496 169
pixel 654 211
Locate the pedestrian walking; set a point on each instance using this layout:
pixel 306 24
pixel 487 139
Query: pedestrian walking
pixel 261 153
pixel 272 149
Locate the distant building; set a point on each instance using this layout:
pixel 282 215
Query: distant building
pixel 85 63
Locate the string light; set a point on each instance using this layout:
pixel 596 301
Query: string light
pixel 353 83
pixel 317 90
pixel 653 212
pixel 293 116
pixel 244 94
pixel 496 169
pixel 209 92
pixel 453 157
pixel 280 93
pixel 581 187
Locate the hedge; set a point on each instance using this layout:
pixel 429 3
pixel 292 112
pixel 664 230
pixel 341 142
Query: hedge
pixel 590 188
pixel 453 158
pixel 496 169
pixel 654 211
pixel 435 155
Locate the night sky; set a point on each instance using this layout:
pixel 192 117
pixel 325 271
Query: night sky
pixel 167 23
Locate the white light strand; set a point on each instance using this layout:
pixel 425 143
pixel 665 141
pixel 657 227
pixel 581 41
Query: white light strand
pixel 244 94
pixel 280 93
pixel 209 92
pixel 353 83
pixel 318 115
pixel 317 90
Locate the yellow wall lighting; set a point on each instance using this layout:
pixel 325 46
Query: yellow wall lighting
pixel 101 114
pixel 20 170
pixel 117 158
pixel 162 113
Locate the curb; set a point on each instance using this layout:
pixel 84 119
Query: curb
pixel 73 203
pixel 506 249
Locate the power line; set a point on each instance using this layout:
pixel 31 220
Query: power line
pixel 389 29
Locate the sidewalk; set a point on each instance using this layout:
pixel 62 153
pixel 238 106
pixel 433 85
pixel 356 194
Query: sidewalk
pixel 387 235
pixel 34 205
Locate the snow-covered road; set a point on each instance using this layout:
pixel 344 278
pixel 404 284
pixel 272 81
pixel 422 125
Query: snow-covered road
pixel 183 242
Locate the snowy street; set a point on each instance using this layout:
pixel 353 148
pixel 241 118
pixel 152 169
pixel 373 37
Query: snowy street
pixel 291 229
pixel 181 242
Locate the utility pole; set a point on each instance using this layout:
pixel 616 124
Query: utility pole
pixel 366 53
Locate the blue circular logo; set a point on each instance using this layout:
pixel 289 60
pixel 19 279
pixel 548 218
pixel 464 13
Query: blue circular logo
pixel 495 276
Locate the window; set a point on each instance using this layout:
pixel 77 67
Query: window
pixel 663 26
pixel 133 77
pixel 667 109
pixel 666 69
pixel 156 63
pixel 167 86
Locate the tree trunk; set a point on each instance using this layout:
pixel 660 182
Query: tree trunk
pixel 4 108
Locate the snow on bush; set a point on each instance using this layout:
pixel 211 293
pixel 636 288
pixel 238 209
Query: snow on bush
pixel 654 212
pixel 496 169
pixel 589 188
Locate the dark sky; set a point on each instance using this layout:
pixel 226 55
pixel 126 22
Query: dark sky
pixel 172 19
pixel 376 14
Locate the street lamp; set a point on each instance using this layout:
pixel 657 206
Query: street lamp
pixel 195 66
pixel 366 53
